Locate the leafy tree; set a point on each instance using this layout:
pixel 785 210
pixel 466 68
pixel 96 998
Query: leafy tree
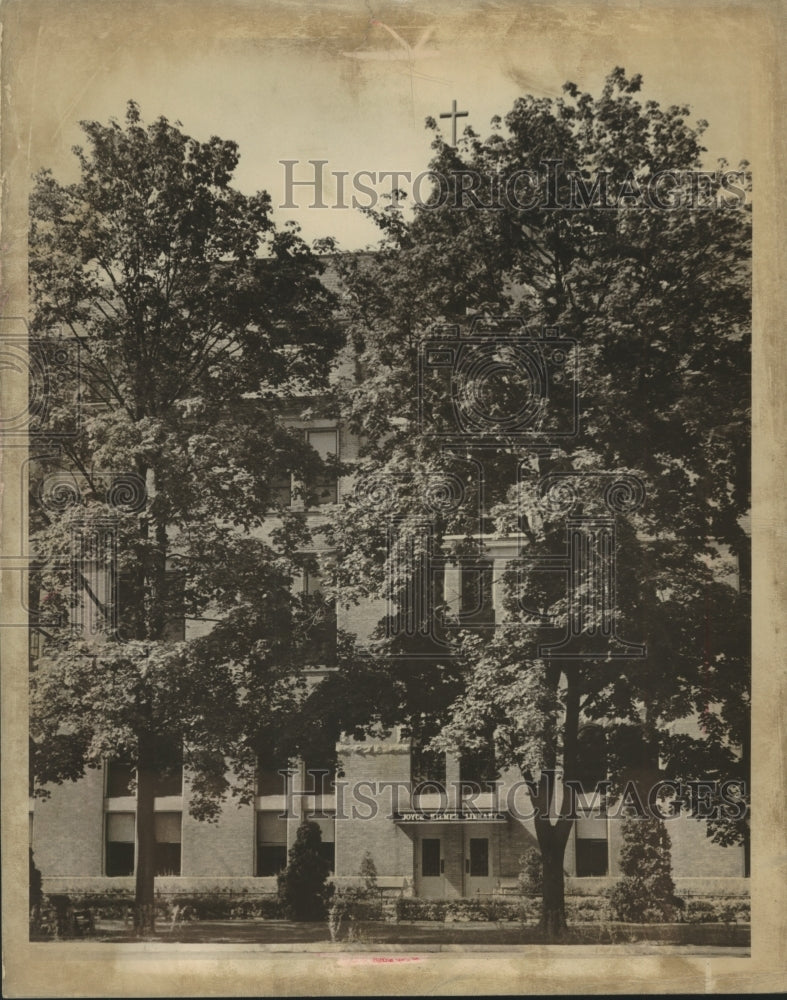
pixel 646 893
pixel 531 881
pixel 368 872
pixel 303 888
pixel 200 327
pixel 657 300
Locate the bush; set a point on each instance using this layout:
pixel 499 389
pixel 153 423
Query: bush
pixel 356 903
pixel 302 887
pixel 350 906
pixel 36 893
pixel 588 909
pixel 531 874
pixel 701 911
pixel 458 910
pixel 368 873
pixel 226 906
pixel 646 893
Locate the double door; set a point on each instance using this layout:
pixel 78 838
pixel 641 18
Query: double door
pixel 459 864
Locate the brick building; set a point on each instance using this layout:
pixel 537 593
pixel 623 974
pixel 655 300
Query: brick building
pixel 433 824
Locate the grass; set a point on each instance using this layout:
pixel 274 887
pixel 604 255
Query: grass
pixel 282 932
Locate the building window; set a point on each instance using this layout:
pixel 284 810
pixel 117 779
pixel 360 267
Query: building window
pixel 319 647
pixel 120 776
pixel 478 770
pixel 271 843
pixel 120 843
pixel 427 770
pixel 591 856
pixel 479 857
pixel 591 764
pixel 269 779
pixel 430 856
pixel 168 836
pixel 325 444
pixel 169 782
pixel 281 490
pixel 320 778
pixel 477 605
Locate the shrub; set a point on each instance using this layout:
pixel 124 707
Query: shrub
pixel 302 887
pixel 458 910
pixel 646 893
pixel 36 892
pixel 588 909
pixel 531 873
pixel 701 911
pixel 350 906
pixel 368 872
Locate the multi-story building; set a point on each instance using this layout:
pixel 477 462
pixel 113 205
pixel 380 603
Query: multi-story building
pixel 435 825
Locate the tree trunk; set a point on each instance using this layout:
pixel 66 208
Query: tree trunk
pixel 144 914
pixel 553 837
pixel 553 897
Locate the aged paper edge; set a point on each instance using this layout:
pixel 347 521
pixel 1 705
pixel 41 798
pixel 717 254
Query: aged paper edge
pixel 82 969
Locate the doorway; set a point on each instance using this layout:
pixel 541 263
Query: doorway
pixel 478 865
pixel 430 868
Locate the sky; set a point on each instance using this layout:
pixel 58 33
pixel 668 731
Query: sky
pixel 337 82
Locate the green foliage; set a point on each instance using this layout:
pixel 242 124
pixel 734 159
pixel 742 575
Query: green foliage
pixel 303 890
pixel 659 305
pixel 36 891
pixel 458 910
pixel 646 893
pixel 368 872
pixel 201 327
pixel 531 873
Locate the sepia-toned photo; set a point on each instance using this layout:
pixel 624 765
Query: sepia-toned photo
pixel 392 491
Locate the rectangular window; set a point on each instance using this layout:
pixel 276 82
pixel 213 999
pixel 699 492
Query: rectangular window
pixel 477 605
pixel 319 648
pixel 269 781
pixel 168 836
pixel 281 490
pixel 271 843
pixel 478 768
pixel 427 767
pixel 591 857
pixel 119 777
pixel 120 844
pixel 320 778
pixel 325 444
pixel 169 782
pixel 271 859
pixel 479 856
pixel 430 856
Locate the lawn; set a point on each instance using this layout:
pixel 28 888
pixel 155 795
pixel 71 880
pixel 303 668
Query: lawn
pixel 284 932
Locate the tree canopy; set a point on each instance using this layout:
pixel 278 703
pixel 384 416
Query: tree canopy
pixel 654 303
pixel 194 330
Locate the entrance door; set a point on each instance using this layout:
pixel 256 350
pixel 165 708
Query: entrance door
pixel 430 866
pixel 478 866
